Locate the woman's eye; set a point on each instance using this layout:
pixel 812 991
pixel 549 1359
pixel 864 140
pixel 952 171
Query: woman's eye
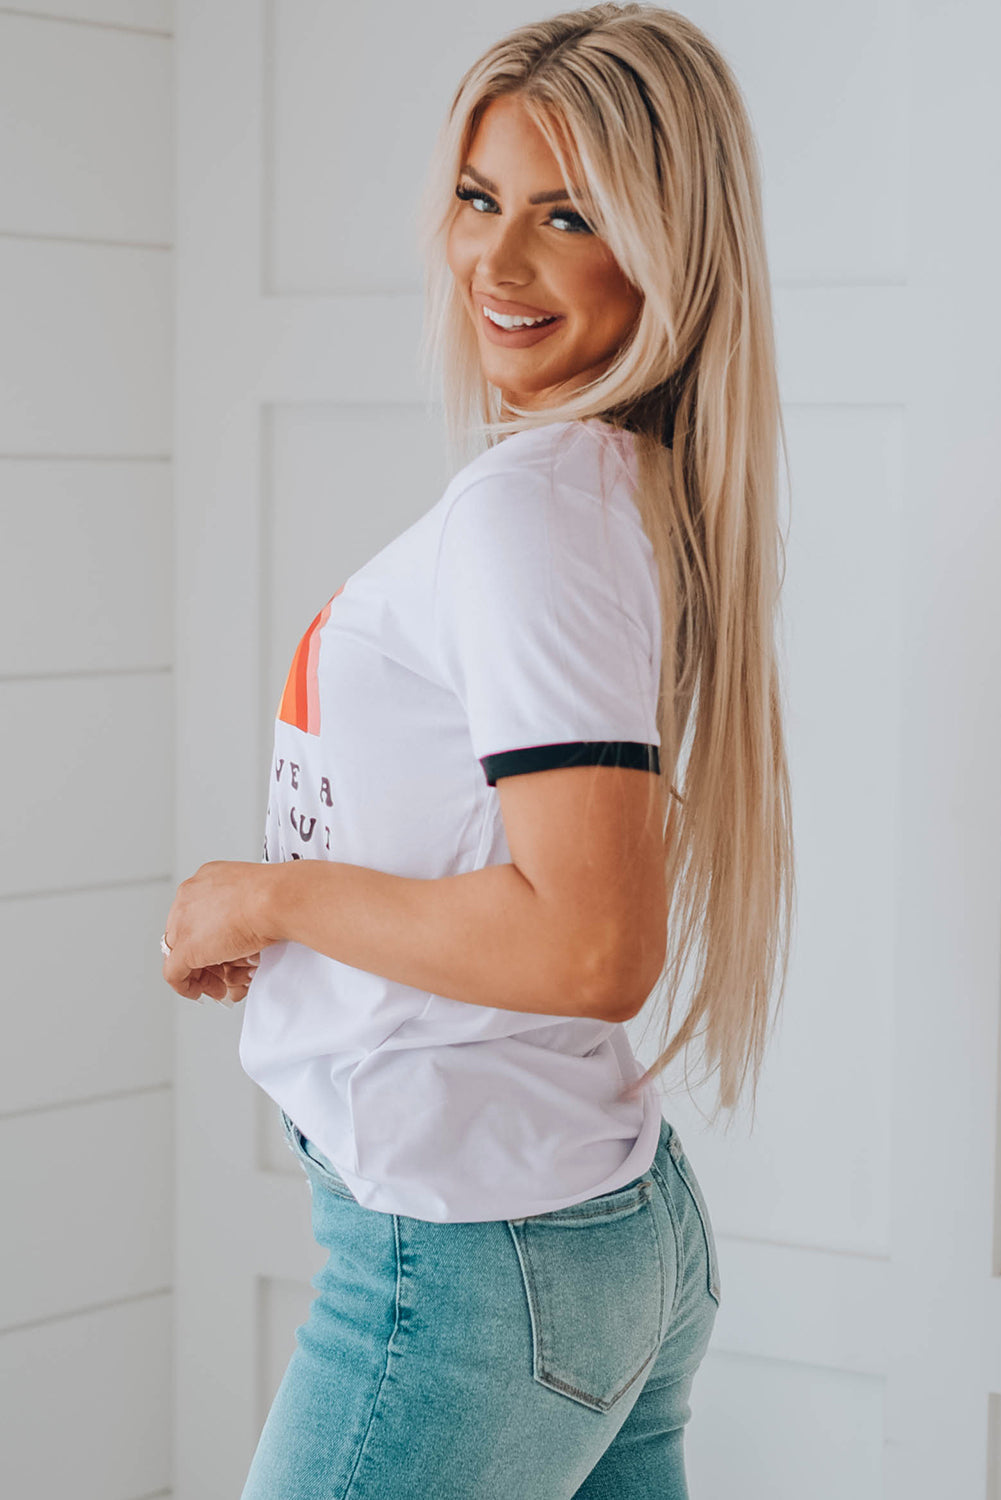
pixel 566 215
pixel 577 224
pixel 468 195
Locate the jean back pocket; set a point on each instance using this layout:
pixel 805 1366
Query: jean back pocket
pixel 595 1281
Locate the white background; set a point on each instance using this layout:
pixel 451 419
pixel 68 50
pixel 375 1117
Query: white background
pixel 209 416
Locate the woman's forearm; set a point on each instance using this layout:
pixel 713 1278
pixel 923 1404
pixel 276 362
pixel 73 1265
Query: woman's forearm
pixel 485 937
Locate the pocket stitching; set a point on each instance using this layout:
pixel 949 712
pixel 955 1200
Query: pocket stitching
pixel 702 1209
pixel 540 1373
pixel 679 1244
pixel 626 1199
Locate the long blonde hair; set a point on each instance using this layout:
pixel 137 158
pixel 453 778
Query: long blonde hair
pixel 646 119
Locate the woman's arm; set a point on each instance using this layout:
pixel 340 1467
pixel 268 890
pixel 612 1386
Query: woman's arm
pixel 575 926
pixel 484 937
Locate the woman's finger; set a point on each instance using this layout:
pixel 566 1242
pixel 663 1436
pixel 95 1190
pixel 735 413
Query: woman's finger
pixel 227 983
pixel 208 981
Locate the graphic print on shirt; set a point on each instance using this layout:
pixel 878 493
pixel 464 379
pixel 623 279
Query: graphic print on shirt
pixel 300 702
pixel 289 820
pixel 300 707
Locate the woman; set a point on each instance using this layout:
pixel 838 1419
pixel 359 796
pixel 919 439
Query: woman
pixel 471 875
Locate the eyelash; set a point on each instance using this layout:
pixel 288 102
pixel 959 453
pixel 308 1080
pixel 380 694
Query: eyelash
pixel 468 195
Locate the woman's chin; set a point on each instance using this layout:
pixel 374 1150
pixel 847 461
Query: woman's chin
pixel 516 395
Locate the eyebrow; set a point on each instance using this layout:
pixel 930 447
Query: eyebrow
pixel 559 195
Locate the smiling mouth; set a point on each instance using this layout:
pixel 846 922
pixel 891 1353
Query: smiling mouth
pixel 518 332
pixel 512 320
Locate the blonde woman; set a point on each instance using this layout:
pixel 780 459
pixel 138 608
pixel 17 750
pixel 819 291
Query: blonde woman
pixel 485 849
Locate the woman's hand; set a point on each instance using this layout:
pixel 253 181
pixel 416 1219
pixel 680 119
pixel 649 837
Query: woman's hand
pixel 235 979
pixel 214 930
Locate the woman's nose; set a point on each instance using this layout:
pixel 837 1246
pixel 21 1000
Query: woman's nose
pixel 504 254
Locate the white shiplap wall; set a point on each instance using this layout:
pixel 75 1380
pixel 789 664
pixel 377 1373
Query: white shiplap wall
pixel 86 707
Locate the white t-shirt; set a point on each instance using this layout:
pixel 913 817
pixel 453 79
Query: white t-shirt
pixel 515 626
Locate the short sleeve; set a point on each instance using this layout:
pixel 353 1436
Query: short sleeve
pixel 547 626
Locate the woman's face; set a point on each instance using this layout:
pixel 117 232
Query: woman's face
pixel 517 257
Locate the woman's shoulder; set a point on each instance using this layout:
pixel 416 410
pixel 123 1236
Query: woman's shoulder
pixel 587 455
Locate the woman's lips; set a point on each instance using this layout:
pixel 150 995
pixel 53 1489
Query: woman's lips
pixel 518 338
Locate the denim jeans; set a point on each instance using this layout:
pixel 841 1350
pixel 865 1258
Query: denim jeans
pixel 515 1359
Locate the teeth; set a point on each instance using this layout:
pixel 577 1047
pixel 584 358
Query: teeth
pixel 505 320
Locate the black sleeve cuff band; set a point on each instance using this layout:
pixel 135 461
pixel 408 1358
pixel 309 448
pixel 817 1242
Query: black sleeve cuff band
pixel 572 753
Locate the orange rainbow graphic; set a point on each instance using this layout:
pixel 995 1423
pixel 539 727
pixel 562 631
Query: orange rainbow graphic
pixel 300 703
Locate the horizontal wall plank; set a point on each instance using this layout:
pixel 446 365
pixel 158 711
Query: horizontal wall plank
pixel 86 566
pixel 144 15
pixel 87 763
pixel 85 1403
pixel 90 1188
pixel 99 1018
pixel 86 122
pixel 92 326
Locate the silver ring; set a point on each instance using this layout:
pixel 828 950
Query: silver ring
pixel 165 947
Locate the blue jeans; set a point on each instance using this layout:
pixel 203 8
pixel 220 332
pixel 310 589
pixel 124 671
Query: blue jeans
pixel 541 1358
